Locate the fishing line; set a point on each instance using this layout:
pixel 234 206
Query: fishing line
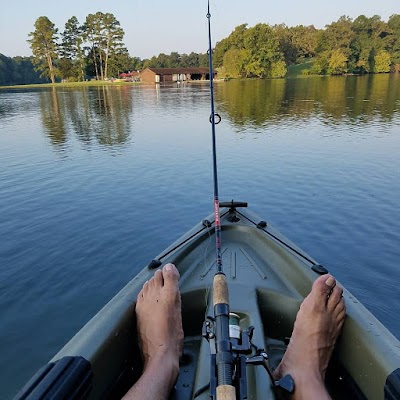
pixel 214 148
pixel 222 381
pixel 208 286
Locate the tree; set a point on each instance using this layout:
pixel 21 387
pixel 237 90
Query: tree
pixel 203 60
pixel 44 47
pixel 104 33
pixel 296 42
pixel 235 61
pixel 394 25
pixel 263 47
pixel 71 49
pixel 321 64
pixel 382 62
pixel 337 35
pixel 304 40
pixel 258 51
pixel 120 61
pixel 278 69
pixel 234 40
pixel 337 64
pixel 92 29
pixel 192 60
pixel 18 71
pixel 174 60
pixel 92 62
pixel 112 34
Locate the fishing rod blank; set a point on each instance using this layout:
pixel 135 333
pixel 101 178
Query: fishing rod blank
pixel 223 358
pixel 214 148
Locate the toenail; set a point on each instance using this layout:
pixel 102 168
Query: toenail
pixel 330 281
pixel 169 267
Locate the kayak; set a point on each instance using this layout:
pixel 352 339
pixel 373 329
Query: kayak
pixel 268 277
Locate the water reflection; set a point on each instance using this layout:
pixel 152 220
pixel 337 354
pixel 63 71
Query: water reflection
pixel 53 117
pixel 353 99
pixel 99 115
pixel 103 115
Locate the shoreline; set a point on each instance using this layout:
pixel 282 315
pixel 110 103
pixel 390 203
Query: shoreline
pixel 108 83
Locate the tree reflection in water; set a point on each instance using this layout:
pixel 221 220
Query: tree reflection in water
pixel 101 114
pixel 352 99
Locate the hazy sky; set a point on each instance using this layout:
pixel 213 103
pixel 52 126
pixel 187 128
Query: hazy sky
pixel 158 26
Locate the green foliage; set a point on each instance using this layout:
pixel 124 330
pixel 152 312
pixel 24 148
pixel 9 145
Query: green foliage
pixel 44 46
pixel 382 62
pixel 176 60
pixel 362 46
pixel 120 62
pixel 234 62
pixel 96 48
pixel 105 35
pixel 251 52
pixel 18 71
pixel 278 69
pixel 296 42
pixel 394 26
pixel 71 64
pixel 337 35
pixel 321 64
pixel 337 62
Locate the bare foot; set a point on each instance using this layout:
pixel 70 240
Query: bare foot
pixel 159 325
pixel 317 327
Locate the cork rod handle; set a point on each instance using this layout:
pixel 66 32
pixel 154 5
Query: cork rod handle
pixel 226 392
pixel 220 290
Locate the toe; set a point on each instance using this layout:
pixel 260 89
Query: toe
pixel 142 294
pixel 158 278
pixel 170 275
pixel 145 289
pixel 323 286
pixel 139 297
pixel 335 297
pixel 341 315
pixel 340 307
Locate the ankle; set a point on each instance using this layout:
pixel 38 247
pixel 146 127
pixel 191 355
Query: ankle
pixel 309 385
pixel 166 365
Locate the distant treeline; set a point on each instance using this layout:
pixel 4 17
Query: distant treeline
pixel 95 48
pixel 18 70
pixel 365 45
pixel 175 60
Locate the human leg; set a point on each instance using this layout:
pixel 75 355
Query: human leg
pixel 159 325
pixel 317 327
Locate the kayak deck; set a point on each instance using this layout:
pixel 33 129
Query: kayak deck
pixel 268 278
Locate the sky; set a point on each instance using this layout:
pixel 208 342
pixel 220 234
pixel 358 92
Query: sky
pixel 155 26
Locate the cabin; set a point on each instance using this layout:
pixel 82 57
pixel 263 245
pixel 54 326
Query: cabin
pixel 169 75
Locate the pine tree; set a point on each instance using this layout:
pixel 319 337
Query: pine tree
pixel 44 46
pixel 72 48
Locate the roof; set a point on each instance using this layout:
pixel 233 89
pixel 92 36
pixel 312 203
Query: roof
pixel 126 74
pixel 183 70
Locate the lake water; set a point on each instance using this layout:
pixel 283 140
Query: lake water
pixel 95 182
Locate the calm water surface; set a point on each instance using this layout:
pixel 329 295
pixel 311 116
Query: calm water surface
pixel 96 182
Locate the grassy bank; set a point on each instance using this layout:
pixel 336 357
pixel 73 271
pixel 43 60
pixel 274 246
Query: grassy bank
pixel 296 69
pixel 293 71
pixel 69 84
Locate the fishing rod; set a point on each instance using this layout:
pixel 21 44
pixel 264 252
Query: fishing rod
pixel 231 347
pixel 222 359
